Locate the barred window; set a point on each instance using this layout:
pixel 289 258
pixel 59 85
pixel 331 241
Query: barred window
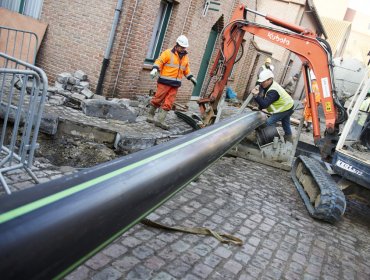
pixel 159 30
pixel 30 8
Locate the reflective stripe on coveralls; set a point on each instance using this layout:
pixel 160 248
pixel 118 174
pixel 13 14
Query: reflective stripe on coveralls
pixel 285 101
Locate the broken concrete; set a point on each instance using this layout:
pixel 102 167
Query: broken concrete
pixel 87 132
pixel 108 109
pixel 49 124
pixel 57 100
pixel 118 124
pixel 63 78
pixel 81 75
pixel 131 144
pixel 73 87
pixel 86 92
pixel 74 81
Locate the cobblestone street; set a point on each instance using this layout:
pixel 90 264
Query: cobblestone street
pixel 154 140
pixel 256 203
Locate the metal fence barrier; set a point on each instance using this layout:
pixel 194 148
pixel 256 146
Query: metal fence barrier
pixel 23 92
pixel 20 44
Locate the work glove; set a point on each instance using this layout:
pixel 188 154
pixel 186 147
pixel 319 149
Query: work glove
pixel 255 91
pixel 193 80
pixel 154 73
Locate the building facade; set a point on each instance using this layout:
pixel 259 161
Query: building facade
pixel 78 34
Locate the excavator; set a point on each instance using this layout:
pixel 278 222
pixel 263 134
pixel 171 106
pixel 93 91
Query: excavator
pixel 318 179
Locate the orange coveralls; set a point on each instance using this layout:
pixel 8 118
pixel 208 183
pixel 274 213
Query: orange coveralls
pixel 172 67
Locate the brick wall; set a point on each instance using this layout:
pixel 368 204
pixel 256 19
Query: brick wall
pixel 186 19
pixel 78 33
pixel 76 36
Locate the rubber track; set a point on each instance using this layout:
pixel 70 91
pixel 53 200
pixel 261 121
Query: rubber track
pixel 332 201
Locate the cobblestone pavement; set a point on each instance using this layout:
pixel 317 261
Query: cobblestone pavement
pixel 256 203
pixel 249 200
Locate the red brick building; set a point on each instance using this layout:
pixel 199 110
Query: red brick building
pixel 78 33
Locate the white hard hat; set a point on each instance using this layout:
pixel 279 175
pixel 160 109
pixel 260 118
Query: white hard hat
pixel 265 75
pixel 183 41
pixel 268 60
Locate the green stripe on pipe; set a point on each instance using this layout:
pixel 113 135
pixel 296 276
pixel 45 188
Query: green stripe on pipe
pixel 119 233
pixel 12 214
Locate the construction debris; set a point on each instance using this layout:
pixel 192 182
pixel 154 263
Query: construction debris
pixel 70 89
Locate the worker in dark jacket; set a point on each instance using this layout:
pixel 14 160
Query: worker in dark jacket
pixel 271 96
pixel 171 65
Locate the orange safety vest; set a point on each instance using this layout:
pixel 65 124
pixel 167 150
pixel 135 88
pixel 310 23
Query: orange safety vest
pixel 172 68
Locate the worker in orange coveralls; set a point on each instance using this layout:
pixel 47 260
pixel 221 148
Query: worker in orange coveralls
pixel 172 65
pixel 307 110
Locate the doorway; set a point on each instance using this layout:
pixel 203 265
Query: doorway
pixel 205 61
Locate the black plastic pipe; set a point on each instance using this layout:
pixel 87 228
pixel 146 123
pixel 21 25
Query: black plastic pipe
pixel 50 229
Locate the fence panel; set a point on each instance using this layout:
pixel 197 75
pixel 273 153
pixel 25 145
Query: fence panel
pixel 23 92
pixel 19 44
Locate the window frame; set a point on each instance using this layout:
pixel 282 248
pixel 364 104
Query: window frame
pixel 157 46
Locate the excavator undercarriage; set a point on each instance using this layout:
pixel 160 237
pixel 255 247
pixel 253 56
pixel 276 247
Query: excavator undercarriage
pixel 318 190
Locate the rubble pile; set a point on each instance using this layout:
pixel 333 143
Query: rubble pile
pixel 70 90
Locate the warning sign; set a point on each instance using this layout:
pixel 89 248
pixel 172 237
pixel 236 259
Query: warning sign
pixel 328 106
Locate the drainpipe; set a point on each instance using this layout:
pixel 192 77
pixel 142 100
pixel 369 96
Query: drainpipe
pixel 108 50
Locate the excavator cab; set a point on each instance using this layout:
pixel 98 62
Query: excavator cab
pixel 352 153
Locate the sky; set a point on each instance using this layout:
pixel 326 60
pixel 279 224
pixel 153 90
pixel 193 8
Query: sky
pixel 337 8
pixel 360 5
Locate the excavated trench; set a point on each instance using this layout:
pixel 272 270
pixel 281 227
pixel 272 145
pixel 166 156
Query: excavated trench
pixel 64 149
pixel 72 151
pixel 82 145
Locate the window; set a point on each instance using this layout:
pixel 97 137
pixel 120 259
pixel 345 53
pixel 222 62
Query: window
pixel 159 31
pixel 30 8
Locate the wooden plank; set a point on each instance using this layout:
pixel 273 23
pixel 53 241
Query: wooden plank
pixel 26 50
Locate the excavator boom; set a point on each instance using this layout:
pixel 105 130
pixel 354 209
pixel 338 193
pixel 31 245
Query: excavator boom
pixel 313 53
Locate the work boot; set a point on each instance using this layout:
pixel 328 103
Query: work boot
pixel 160 122
pixel 151 113
pixel 288 138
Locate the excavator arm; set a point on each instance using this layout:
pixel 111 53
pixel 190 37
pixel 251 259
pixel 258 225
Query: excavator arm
pixel 318 190
pixel 314 53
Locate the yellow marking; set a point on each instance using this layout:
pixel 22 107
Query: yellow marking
pixel 328 106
